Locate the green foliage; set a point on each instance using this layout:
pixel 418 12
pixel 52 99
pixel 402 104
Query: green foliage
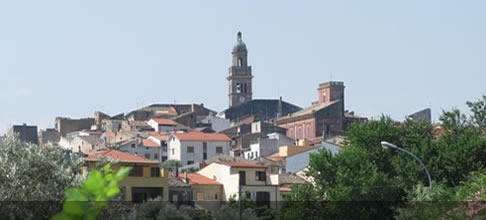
pixel 161 210
pixel 34 178
pixel 87 202
pixel 364 172
pixel 171 164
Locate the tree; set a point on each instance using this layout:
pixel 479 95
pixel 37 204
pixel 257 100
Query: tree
pixel 374 180
pixel 33 179
pixel 478 119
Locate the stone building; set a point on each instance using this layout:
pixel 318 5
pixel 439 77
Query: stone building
pixel 27 133
pixel 49 136
pixel 239 78
pixel 68 125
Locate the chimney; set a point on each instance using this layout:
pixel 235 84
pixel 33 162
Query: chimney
pixel 186 179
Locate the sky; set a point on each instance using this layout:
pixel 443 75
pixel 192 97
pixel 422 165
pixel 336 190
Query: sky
pixel 71 58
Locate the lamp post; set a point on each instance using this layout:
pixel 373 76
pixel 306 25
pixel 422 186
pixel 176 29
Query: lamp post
pixel 385 144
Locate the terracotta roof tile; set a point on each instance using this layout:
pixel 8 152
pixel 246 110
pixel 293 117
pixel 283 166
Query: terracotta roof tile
pixel 164 121
pixel 163 136
pixel 196 178
pixel 118 155
pixel 285 189
pixel 149 143
pixel 200 136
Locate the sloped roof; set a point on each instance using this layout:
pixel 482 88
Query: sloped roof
pixel 196 178
pixel 118 155
pixel 163 136
pixel 200 136
pixel 262 109
pixel 164 121
pixel 176 182
pixel 289 179
pixel 310 110
pixel 149 143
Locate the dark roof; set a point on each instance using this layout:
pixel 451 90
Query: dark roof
pixel 289 179
pixel 176 182
pixel 262 109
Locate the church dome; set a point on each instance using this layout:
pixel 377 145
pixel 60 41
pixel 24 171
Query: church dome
pixel 240 45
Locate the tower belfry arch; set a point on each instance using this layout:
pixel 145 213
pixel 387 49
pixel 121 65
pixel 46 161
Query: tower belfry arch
pixel 239 75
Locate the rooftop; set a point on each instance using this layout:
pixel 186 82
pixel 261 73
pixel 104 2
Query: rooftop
pixel 119 155
pixel 164 121
pixel 200 136
pixel 196 178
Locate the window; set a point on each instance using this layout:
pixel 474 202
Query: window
pixel 260 175
pixel 256 154
pixel 133 145
pixel 242 175
pixel 190 149
pixel 189 162
pixel 219 150
pixel 308 131
pixel 164 158
pixel 240 61
pixel 172 151
pixel 136 171
pixel 164 148
pixel 216 196
pixel 155 172
pixel 147 156
pixel 146 148
pixel 238 88
pixel 244 88
pixel 156 156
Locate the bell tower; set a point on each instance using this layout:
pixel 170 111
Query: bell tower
pixel 239 78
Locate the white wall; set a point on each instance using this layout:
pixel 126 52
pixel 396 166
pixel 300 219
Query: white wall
pixel 181 154
pixel 141 150
pixel 300 161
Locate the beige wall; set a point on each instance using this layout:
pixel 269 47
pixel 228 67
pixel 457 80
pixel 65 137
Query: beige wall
pixel 141 181
pixel 229 177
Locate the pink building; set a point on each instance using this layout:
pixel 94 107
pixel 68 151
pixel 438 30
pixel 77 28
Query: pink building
pixel 324 118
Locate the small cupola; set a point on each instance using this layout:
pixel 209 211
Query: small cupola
pixel 240 45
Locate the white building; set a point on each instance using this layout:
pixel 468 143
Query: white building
pixel 161 138
pixel 146 148
pixel 254 179
pixel 83 144
pixel 296 158
pixel 217 123
pixel 267 146
pixel 195 147
pixel 162 124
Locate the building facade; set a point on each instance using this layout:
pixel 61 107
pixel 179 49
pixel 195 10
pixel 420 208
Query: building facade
pixel 239 78
pixel 195 147
pixel 145 181
pixel 27 133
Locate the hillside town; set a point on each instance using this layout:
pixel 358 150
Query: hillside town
pixel 255 147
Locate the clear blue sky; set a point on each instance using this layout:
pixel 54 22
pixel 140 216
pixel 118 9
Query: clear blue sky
pixel 71 58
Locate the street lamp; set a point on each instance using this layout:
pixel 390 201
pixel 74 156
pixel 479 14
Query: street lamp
pixel 385 144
